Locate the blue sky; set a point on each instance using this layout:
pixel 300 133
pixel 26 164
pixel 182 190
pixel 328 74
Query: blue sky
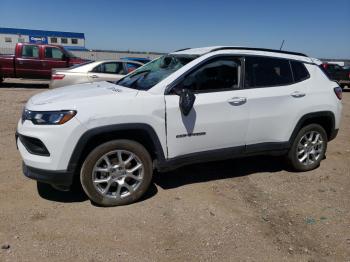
pixel 320 28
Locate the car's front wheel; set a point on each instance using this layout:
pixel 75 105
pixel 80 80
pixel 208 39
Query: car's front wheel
pixel 309 148
pixel 116 173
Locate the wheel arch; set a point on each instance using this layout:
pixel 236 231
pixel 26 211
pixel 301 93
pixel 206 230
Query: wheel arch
pixel 142 133
pixel 326 119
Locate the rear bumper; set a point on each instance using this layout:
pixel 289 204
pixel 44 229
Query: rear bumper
pixel 58 178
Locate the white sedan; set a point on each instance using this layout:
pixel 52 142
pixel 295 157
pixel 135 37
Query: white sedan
pixel 94 71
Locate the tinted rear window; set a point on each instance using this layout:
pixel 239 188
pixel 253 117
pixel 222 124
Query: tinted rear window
pixel 266 71
pixel 299 71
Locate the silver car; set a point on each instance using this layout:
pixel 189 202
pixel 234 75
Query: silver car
pixel 94 71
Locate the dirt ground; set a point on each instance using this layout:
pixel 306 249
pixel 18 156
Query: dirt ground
pixel 250 209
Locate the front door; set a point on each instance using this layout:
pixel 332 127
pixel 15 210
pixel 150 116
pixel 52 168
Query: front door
pixel 219 117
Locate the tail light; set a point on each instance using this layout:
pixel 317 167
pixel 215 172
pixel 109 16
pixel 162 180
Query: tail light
pixel 57 76
pixel 338 92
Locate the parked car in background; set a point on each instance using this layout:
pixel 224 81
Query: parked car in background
pixel 338 74
pixel 142 60
pixel 94 71
pixel 35 61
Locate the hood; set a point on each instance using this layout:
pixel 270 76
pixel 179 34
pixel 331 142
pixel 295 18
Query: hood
pixel 73 94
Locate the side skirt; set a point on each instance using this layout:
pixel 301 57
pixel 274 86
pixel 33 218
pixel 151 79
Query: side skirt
pixel 274 148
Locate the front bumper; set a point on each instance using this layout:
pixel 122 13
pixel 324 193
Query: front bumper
pixel 57 178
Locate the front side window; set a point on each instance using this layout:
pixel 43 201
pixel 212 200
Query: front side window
pixel 53 53
pixel 30 51
pixel 109 68
pixel 219 74
pixel 266 72
pixel 300 72
pixel 149 75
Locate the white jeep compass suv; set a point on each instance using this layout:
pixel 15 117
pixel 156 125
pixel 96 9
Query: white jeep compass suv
pixel 191 105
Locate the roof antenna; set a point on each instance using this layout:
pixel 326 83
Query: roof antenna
pixel 282 45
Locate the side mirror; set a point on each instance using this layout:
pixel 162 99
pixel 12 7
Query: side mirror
pixel 186 101
pixel 64 57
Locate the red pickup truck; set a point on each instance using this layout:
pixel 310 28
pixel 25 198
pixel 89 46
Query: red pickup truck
pixel 36 61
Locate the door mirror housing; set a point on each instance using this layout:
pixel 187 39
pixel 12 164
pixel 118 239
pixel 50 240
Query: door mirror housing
pixel 186 101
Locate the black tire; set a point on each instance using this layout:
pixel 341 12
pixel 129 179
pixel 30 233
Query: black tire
pixel 86 174
pixel 292 157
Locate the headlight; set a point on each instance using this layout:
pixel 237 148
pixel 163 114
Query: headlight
pixel 48 117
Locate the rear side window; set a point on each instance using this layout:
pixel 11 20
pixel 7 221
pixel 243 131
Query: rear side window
pixel 266 72
pixel 109 68
pixel 132 66
pixel 300 72
pixel 53 52
pixel 30 51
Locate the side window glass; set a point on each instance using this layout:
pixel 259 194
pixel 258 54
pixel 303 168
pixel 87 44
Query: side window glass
pixel 216 75
pixel 266 72
pixel 131 66
pixel 54 53
pixel 299 71
pixel 30 51
pixel 109 68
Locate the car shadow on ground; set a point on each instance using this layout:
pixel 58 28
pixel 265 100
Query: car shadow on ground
pixel 218 170
pixel 197 173
pixel 24 85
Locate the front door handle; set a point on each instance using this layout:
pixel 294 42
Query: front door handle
pixel 297 94
pixel 237 101
pixel 94 76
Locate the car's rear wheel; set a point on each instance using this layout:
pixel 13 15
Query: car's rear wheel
pixel 309 148
pixel 116 173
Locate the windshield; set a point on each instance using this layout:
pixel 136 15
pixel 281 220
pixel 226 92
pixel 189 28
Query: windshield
pixel 152 73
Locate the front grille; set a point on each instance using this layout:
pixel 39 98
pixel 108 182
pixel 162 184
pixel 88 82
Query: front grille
pixel 34 145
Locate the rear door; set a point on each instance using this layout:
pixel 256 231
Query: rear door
pixel 28 64
pixel 53 57
pixel 107 71
pixel 275 96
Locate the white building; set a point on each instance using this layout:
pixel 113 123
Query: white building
pixel 10 36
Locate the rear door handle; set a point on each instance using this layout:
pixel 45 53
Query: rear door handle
pixel 297 94
pixel 237 101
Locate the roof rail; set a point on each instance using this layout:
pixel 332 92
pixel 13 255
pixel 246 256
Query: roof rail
pixel 257 49
pixel 183 49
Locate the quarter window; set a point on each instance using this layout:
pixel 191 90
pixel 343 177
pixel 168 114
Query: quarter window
pixel 218 74
pixel 53 52
pixel 300 72
pixel 266 71
pixel 30 51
